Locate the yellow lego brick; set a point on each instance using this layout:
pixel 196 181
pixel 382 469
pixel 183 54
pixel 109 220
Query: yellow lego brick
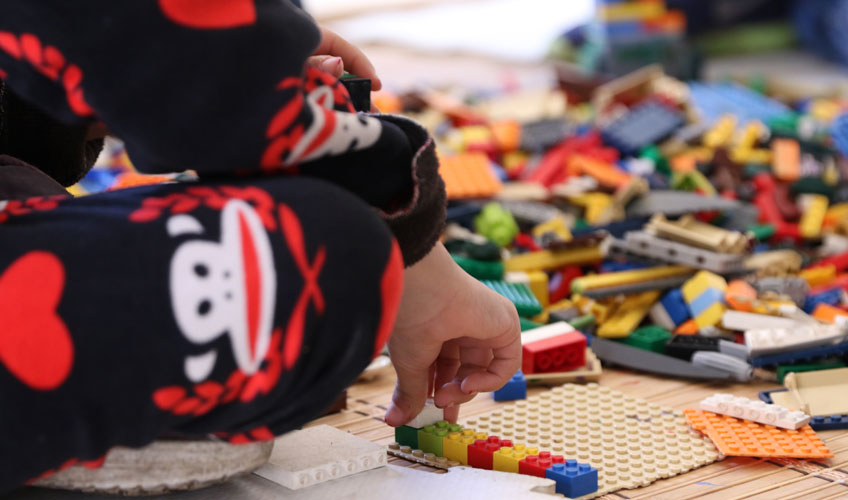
pixel 595 204
pixel 750 135
pixel 711 315
pixel 753 155
pixel 631 11
pixel 817 276
pixel 721 134
pixel 835 213
pixel 814 209
pixel 539 286
pixel 543 317
pixel 557 225
pixel 628 315
pixel 506 459
pixel 700 282
pixel 544 260
pixel 606 280
pixel 455 445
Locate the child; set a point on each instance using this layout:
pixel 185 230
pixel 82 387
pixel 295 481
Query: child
pixel 239 305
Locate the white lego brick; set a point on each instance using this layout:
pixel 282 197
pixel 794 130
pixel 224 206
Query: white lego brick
pixel 742 321
pixel 545 332
pixel 318 454
pixel 802 336
pixel 757 411
pixel 429 415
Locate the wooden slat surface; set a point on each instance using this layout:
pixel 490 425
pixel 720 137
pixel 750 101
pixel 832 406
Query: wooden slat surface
pixel 732 478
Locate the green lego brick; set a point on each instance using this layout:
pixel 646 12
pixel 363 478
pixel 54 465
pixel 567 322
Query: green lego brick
pixel 407 436
pixel 650 338
pixel 431 438
pixel 762 232
pixel 480 269
pixel 782 370
pixel 526 324
pixel 583 323
pixel 525 302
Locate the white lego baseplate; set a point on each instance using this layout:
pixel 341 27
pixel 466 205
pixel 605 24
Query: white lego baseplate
pixel 758 411
pixel 803 336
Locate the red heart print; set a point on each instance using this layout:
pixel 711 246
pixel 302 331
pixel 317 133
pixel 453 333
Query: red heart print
pixel 209 14
pixel 35 345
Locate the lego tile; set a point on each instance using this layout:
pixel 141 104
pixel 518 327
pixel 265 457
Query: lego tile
pixel 574 479
pixel 757 411
pixel 735 438
pixel 515 388
pixel 642 126
pixel 407 436
pixel 323 453
pixel 419 456
pixel 800 355
pixel 428 415
pixel 649 338
pixel 468 175
pixel 590 372
pixel 610 351
pixel 614 433
pixel 520 295
pixel 684 346
pixel 628 315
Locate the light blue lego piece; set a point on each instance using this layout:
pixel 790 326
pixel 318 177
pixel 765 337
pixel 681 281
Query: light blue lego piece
pixel 712 100
pixel 703 302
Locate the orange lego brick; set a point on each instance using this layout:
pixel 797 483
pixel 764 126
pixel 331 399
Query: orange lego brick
pixel 689 327
pixel 740 296
pixel 786 159
pixel 744 438
pixel 507 135
pixel 828 313
pixel 605 173
pixel 468 176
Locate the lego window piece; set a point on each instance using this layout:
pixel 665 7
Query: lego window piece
pixel 557 347
pixel 758 411
pixel 323 453
pixel 736 438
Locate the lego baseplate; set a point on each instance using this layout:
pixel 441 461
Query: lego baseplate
pixel 631 442
pixel 741 438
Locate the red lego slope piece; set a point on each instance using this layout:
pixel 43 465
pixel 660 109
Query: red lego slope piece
pixel 557 347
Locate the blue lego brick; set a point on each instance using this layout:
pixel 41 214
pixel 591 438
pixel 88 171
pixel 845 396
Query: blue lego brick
pixel 703 302
pixel 525 302
pixel 712 100
pixel 830 423
pixel 832 297
pixel 572 479
pixel 765 396
pixel 675 306
pixel 644 125
pixel 516 388
pixel 839 133
pixel 798 356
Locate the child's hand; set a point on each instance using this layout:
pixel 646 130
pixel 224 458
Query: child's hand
pixel 334 54
pixel 452 329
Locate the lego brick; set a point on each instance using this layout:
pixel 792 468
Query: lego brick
pixel 801 337
pixel 574 479
pixel 539 136
pixel 519 294
pixel 506 459
pixel 800 355
pixel 684 346
pixel 552 348
pixel 481 453
pixel 817 393
pixel 650 338
pixel 673 203
pixel 546 260
pixel 702 281
pixel 537 465
pixel 429 415
pixel 419 456
pixel 714 99
pixel 757 411
pixel 359 90
pixel 644 125
pixel 829 313
pixel 634 358
pixel 740 370
pixel 407 436
pixel 703 302
pixel 736 438
pixel 628 315
pixel 634 288
pixel 824 365
pixel 742 321
pixel 690 231
pixel 647 246
pixel 814 208
pixel 832 297
pixel 468 175
pixel 480 269
pixel 598 426
pixel 536 281
pixel 608 280
pixel 323 453
pixel 833 422
pixel 455 445
pixel 786 159
pixel 515 388
pixel 675 306
pixel 660 317
pixel 590 372
pixel 431 437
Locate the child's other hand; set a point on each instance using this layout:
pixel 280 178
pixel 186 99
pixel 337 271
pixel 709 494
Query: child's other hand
pixel 334 54
pixel 453 335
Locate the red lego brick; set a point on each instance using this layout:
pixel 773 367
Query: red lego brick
pixel 537 465
pixel 559 353
pixel 481 453
pixel 563 291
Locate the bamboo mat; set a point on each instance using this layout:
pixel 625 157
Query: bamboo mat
pixel 731 478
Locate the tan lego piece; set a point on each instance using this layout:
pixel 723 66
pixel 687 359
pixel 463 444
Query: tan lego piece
pixel 420 457
pixel 630 441
pixel 817 393
pixel 590 372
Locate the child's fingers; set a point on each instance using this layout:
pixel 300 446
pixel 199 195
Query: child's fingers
pixel 354 59
pixel 329 64
pixel 409 397
pixel 507 361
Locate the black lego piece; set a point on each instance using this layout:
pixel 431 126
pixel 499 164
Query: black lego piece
pixel 684 346
pixel 359 90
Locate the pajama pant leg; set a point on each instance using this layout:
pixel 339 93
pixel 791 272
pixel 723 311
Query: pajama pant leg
pixel 237 307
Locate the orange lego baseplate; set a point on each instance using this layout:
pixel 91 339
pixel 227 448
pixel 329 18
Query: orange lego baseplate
pixel 468 176
pixel 743 438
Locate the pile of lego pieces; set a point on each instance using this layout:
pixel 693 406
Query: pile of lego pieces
pixel 696 230
pixel 594 437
